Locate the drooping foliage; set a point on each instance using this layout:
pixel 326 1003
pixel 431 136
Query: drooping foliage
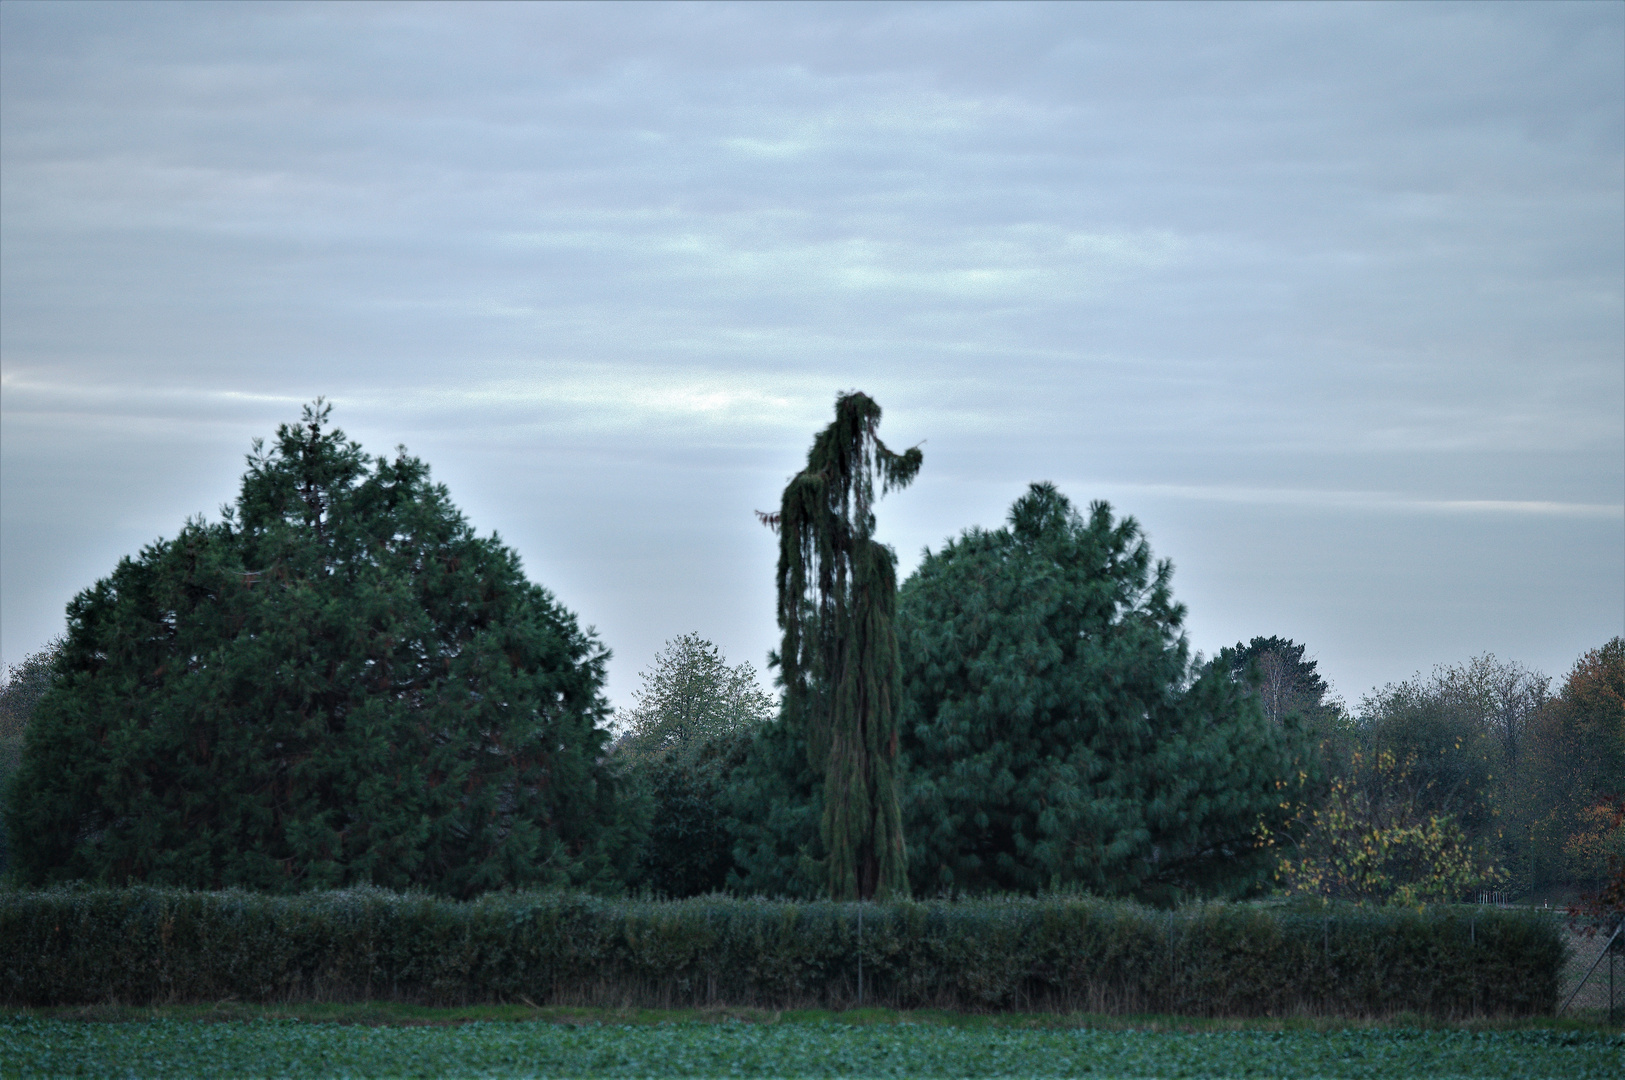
pixel 837 589
pixel 1057 733
pixel 338 683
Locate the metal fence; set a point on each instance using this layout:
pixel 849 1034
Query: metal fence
pixel 1607 969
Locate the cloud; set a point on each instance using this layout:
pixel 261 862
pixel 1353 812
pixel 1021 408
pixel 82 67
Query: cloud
pixel 1312 263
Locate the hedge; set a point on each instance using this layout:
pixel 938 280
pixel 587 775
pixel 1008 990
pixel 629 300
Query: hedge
pixel 146 945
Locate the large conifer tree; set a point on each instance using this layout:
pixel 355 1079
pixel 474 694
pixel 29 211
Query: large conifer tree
pixel 1057 733
pixel 339 683
pixel 837 589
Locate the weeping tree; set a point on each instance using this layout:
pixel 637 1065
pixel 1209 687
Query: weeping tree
pixel 838 659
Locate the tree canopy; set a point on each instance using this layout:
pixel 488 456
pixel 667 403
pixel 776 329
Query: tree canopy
pixel 688 698
pixel 338 683
pixel 690 727
pixel 1286 681
pixel 1057 734
pixel 25 683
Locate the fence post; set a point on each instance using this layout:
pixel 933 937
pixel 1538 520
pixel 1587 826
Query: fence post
pixel 860 954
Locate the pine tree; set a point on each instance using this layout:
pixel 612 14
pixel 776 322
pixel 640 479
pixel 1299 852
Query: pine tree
pixel 837 590
pixel 339 683
pixel 1057 733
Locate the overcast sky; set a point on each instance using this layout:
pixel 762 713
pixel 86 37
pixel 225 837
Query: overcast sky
pixel 1330 297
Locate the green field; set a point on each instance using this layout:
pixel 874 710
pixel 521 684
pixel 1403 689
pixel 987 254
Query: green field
pixel 813 1046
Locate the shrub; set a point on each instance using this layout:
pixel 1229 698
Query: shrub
pixel 144 945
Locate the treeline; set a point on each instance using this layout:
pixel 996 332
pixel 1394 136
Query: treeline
pixel 1478 774
pixel 340 684
pixel 1480 777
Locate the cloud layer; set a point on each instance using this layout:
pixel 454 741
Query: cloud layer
pixel 1329 296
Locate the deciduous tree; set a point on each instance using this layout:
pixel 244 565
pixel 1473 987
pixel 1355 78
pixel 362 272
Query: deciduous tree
pixel 690 697
pixel 1374 837
pixel 692 722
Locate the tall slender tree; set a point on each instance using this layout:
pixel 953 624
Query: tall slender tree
pixel 839 660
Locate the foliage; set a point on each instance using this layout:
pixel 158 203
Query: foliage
pixel 1438 727
pixel 775 803
pixel 787 1048
pixel 689 851
pixel 69 946
pixel 1577 764
pixel 24 685
pixel 1373 839
pixel 1598 843
pixel 838 660
pixel 1287 684
pixel 1518 769
pixel 337 683
pixel 1592 705
pixel 1604 908
pixel 1290 688
pixel 690 728
pixel 1057 735
pixel 688 699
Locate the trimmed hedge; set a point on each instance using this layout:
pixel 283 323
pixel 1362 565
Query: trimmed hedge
pixel 146 945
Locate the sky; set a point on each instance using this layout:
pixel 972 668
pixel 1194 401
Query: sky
pixel 1329 297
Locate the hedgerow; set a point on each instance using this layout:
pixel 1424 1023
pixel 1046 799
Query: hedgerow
pixel 146 945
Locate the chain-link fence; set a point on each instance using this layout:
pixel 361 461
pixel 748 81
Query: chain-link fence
pixel 1595 977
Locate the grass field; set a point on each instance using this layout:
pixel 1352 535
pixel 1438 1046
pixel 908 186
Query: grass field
pixel 401 1041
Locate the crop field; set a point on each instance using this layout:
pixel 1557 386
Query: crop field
pixel 32 1045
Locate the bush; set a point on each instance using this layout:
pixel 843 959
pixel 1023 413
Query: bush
pixel 145 945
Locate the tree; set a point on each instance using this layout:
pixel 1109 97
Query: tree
pixel 691 726
pixel 338 683
pixel 1290 688
pixel 25 684
pixel 1372 839
pixel 1590 713
pixel 1467 732
pixel 1604 842
pixel 1286 683
pixel 837 594
pixel 1057 734
pixel 1442 734
pixel 1573 765
pixel 689 698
